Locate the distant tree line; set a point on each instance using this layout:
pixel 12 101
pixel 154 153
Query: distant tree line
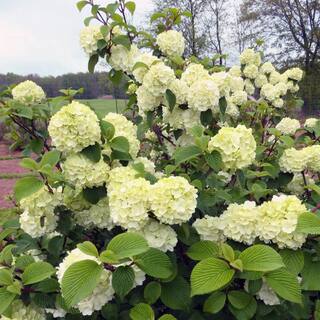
pixel 95 85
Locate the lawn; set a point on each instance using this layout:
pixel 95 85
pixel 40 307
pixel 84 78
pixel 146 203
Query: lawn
pixel 104 106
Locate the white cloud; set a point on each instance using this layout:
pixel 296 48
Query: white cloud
pixel 42 36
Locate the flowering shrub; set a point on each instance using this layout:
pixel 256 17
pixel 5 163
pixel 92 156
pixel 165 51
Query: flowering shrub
pixel 205 201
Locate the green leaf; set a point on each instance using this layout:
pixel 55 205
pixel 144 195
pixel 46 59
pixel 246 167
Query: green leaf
pixel 131 6
pixel 79 281
pixel 202 250
pixel 36 272
pixel 6 278
pixel 214 160
pixel 167 317
pixel 254 286
pixel 89 248
pixel 209 275
pixel 6 299
pixel 27 186
pixel 227 252
pixel 239 299
pixel 223 105
pixel 36 145
pixel 140 64
pixel 246 313
pixel 127 245
pixel 285 284
pixel 107 129
pixel 184 154
pixel 120 144
pixel 152 292
pixel 310 274
pixel 260 258
pixel 123 280
pixel 29 163
pixel 171 99
pixel 51 158
pixel 156 16
pixel 123 40
pixel 93 60
pixel 81 5
pixel 308 223
pixel 47 286
pixel 110 311
pixel 293 260
pixel 142 311
pixel 118 155
pixel 93 152
pixel 95 194
pixel 171 299
pixel 23 261
pixel 215 302
pixel 117 18
pixel 155 263
pixel 115 76
pixel 111 8
pixel 108 256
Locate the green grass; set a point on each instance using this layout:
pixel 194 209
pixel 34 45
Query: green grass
pixel 104 106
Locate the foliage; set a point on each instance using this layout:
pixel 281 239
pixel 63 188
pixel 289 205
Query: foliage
pixel 205 202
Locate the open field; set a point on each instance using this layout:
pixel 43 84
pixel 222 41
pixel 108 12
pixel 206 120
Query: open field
pixel 104 106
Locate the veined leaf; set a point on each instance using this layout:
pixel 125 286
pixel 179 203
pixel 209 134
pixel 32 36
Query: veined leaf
pixel 27 186
pixel 215 302
pixel 260 258
pixel 6 299
pixel 308 223
pixel 202 250
pixel 79 281
pixel 142 311
pixel 184 154
pixel 89 248
pixel 209 275
pixel 37 271
pixel 152 292
pixel 122 280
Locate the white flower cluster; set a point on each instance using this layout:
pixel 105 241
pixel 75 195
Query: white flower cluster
pixel 294 160
pixel 173 200
pixel 89 37
pixel 171 43
pixel 288 126
pixel 38 217
pixel 74 128
pixel 265 294
pixel 97 215
pixel 159 236
pixel 311 122
pixel 237 147
pixel 102 293
pixel 20 311
pixel 28 92
pixel 82 172
pixel 296 185
pixel 273 221
pixel 125 128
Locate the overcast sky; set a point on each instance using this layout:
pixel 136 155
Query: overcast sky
pixel 42 36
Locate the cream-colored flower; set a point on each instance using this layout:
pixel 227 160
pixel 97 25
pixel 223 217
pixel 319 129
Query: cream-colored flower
pixel 295 74
pixel 311 122
pixel 123 59
pixel 237 146
pixel 294 160
pixel 249 56
pixel 180 90
pixel 74 128
pixel 148 60
pixel 288 126
pixel 146 101
pixel 193 73
pixel 89 37
pixel 267 68
pixel 210 228
pixel 28 92
pixel 171 43
pixel 173 200
pixel 251 71
pixel 20 311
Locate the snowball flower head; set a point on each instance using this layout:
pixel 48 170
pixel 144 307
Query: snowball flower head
pixel 158 79
pixel 193 73
pixel 236 146
pixel 171 43
pixel 38 217
pixel 102 293
pixel 159 236
pixel 119 176
pixel 296 185
pixel 28 92
pixel 313 153
pixel 148 165
pixel 251 71
pixel 123 59
pixel 98 215
pixel 210 228
pixel 181 119
pixel 22 312
pixel 235 71
pixel 293 160
pixel 239 97
pixel 311 122
pixel 267 68
pixel 249 56
pixel 269 92
pixel 173 200
pixel 277 221
pixel 203 95
pixel 180 90
pixel 89 37
pixel 146 101
pixel 260 80
pixel 288 126
pixel 294 74
pixel 82 172
pixel 147 59
pixel 129 203
pixel 239 222
pixel 125 128
pixel 74 128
